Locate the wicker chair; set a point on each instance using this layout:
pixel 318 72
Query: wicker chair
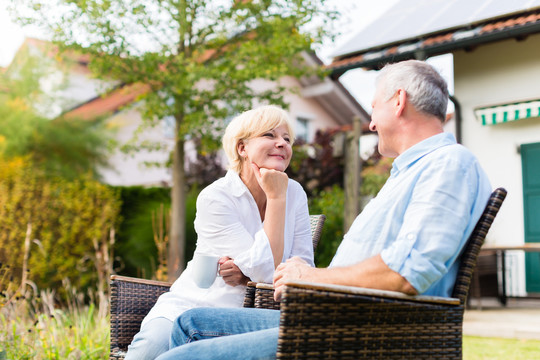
pixel 320 321
pixel 132 299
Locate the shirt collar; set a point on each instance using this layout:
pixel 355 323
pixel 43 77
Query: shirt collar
pixel 237 186
pixel 421 149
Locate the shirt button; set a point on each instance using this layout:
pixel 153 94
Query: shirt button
pixel 410 236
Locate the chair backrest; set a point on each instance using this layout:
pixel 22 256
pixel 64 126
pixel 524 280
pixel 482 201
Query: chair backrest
pixel 317 222
pixel 472 248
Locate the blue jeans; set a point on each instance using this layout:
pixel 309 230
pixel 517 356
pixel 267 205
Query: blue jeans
pixel 152 340
pixel 232 333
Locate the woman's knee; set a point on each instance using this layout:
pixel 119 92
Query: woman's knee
pixel 151 341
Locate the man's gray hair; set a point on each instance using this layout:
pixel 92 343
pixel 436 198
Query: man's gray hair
pixel 426 89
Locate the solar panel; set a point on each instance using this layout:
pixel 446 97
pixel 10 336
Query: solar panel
pixel 411 18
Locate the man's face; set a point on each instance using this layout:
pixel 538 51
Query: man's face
pixel 384 122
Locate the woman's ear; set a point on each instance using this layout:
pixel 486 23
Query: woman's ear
pixel 241 149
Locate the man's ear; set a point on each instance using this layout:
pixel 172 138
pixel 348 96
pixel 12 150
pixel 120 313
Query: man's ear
pixel 401 98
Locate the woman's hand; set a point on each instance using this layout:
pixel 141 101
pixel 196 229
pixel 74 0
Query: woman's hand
pixel 231 274
pixel 273 182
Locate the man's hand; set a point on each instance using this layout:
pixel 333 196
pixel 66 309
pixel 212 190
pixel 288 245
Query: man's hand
pixel 293 269
pixel 231 274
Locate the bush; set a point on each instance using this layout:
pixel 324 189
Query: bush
pixel 135 249
pixel 315 166
pixel 330 203
pixel 52 229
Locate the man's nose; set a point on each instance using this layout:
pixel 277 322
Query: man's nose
pixel 372 126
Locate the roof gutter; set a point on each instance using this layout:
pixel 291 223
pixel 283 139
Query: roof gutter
pixel 457 112
pixel 421 53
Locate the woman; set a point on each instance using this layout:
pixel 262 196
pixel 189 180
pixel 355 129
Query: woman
pixel 254 217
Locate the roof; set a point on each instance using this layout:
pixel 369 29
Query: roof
pixel 465 35
pixel 336 99
pixel 332 95
pixel 108 103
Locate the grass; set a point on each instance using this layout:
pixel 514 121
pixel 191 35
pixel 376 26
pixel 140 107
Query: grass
pixel 479 348
pixel 31 327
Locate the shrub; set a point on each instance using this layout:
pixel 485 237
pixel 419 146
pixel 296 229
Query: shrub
pixel 315 166
pixel 55 228
pixel 135 249
pixel 330 203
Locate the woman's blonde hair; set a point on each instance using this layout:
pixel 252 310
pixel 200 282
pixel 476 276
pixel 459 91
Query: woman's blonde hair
pixel 250 124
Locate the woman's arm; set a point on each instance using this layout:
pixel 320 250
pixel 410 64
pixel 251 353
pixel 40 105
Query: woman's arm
pixel 274 184
pixel 222 224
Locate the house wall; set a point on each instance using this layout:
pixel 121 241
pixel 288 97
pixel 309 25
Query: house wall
pixel 130 169
pixel 499 73
pixel 308 108
pixel 299 106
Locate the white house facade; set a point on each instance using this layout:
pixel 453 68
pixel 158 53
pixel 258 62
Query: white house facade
pixel 494 77
pixel 496 55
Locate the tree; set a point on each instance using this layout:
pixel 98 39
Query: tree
pixel 194 59
pixel 58 147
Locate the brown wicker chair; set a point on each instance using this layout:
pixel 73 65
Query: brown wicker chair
pixel 132 299
pixel 320 321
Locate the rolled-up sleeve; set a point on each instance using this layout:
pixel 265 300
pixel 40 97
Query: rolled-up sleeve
pixel 228 224
pixel 432 232
pixel 220 230
pixel 257 262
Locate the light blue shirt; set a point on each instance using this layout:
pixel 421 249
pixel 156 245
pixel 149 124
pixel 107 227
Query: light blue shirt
pixel 423 215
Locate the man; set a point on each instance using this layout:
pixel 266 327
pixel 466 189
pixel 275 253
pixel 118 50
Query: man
pixel 407 239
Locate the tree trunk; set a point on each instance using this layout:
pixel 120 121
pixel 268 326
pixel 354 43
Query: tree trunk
pixel 177 238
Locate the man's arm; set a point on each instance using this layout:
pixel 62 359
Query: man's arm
pixel 371 273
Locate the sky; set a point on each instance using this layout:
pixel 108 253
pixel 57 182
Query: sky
pixel 355 16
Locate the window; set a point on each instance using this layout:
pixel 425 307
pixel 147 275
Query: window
pixel 302 129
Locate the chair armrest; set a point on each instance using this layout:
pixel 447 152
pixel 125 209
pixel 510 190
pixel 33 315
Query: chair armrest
pixel 359 323
pixel 260 295
pixel 131 300
pixel 353 290
pixel 249 296
pixel 264 293
pixel 133 280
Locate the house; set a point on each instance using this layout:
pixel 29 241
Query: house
pixel 320 104
pixel 496 57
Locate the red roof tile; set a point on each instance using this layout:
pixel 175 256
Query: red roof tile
pixel 527 22
pixel 110 102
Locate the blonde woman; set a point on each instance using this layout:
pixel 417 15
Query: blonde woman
pixel 255 218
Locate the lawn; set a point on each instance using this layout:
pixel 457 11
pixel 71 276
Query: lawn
pixel 479 348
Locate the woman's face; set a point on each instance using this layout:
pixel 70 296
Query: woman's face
pixel 271 150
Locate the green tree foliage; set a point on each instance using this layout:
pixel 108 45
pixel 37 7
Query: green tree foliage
pixel 197 58
pixel 69 225
pixel 57 147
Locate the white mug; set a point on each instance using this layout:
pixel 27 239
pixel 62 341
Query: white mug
pixel 205 269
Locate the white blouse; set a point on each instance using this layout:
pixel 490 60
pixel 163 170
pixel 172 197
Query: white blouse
pixel 228 224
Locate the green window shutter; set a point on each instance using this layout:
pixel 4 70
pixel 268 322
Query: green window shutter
pixel 530 160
